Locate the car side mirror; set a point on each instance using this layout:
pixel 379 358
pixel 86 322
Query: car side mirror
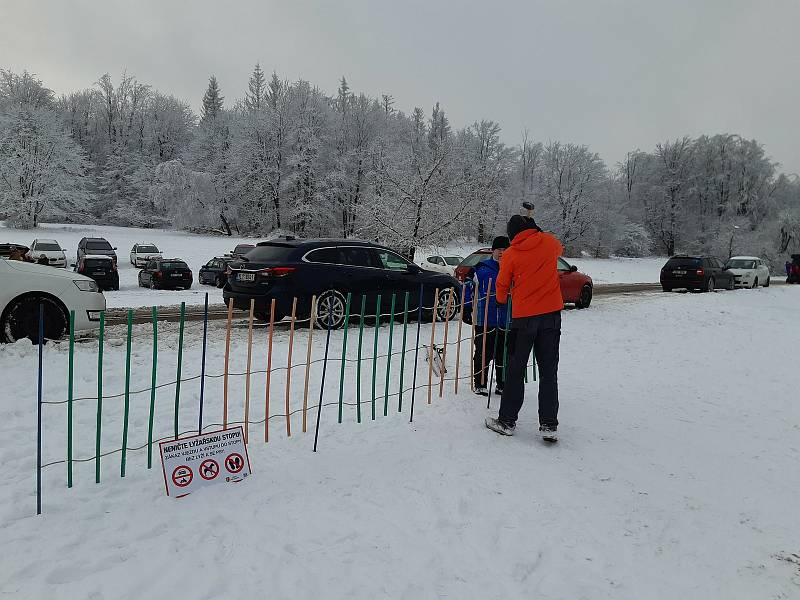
pixel 573 268
pixel 73 265
pixel 414 269
pixel 114 248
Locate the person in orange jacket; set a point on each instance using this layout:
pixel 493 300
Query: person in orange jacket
pixel 529 273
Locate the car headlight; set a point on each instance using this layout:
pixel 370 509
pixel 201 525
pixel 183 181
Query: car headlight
pixel 86 286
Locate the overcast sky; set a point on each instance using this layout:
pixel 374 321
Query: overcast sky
pixel 615 75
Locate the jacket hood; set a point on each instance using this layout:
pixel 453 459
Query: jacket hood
pixel 529 239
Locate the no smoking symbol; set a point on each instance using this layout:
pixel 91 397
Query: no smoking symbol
pixel 234 463
pixel 209 469
pixel 182 476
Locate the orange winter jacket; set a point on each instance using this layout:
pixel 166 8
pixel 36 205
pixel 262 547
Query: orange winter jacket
pixel 530 267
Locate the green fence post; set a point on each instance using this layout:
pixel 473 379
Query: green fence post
pixel 375 351
pixel 152 391
pixel 127 396
pixel 389 358
pixel 403 356
pixel 70 395
pixel 101 335
pixel 344 355
pixel 358 362
pixel 180 363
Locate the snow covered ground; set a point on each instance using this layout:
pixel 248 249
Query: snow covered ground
pixel 676 474
pixel 197 250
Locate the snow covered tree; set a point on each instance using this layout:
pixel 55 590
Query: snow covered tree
pixel 568 181
pixel 212 101
pixel 256 97
pixel 41 168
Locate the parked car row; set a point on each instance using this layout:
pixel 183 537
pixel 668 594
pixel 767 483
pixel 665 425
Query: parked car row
pixel 708 273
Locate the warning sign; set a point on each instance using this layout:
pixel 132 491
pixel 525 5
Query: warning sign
pixel 204 455
pixel 209 469
pixel 234 463
pixel 182 476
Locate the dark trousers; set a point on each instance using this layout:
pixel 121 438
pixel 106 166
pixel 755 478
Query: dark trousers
pixel 495 344
pixel 541 333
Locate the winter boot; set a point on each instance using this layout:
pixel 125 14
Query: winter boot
pixel 548 433
pixel 499 426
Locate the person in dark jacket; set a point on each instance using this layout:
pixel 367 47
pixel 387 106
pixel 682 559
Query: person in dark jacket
pixel 492 318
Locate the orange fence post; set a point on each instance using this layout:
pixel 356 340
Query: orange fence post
pixel 432 350
pixel 458 343
pixel 269 370
pixel 485 325
pixel 444 343
pixel 249 364
pixel 289 369
pixel 225 375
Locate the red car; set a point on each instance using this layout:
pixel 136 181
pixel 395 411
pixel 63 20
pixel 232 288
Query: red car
pixel 576 287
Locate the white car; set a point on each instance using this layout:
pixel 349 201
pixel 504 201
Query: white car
pixel 749 271
pixel 49 250
pixel 442 264
pixel 142 253
pixel 24 287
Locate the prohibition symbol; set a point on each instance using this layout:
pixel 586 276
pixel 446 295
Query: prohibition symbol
pixel 209 469
pixel 182 476
pixel 234 463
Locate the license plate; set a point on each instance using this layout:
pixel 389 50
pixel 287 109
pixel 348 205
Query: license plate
pixel 177 275
pixel 99 272
pixel 679 272
pixel 246 277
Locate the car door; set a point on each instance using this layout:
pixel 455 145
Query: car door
pixel 763 272
pixel 721 276
pixel 569 281
pixel 146 274
pixel 400 276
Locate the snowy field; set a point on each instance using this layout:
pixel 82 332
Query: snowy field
pixel 675 477
pixel 197 250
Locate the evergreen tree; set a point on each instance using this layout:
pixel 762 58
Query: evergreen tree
pixel 212 101
pixel 256 96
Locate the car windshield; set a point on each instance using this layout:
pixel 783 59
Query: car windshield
pixel 94 246
pixel 48 247
pixel 453 261
pixel 740 263
pixel 474 258
pixel 151 249
pixel 174 265
pixel 684 262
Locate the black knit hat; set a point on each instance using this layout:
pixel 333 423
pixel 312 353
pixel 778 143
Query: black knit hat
pixel 518 223
pixel 500 241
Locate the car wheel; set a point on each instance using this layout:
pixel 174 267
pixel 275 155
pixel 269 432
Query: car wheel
pixel 330 310
pixel 710 285
pixel 666 288
pixel 731 284
pixel 445 297
pixel 153 285
pixel 21 319
pixel 585 299
pixel 755 284
pixel 218 281
pixel 767 284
